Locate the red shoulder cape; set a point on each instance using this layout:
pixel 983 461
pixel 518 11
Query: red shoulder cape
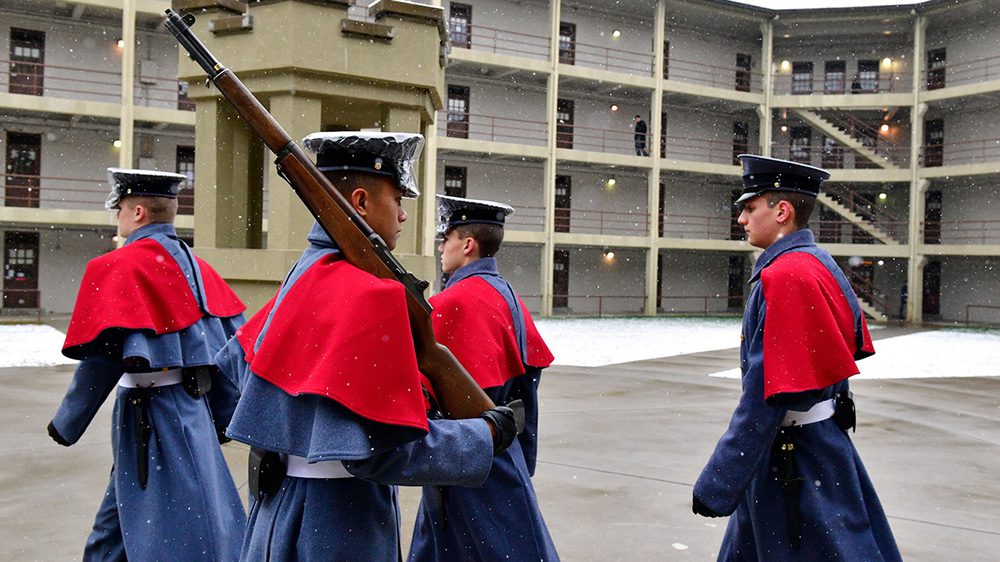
pixel 809 338
pixel 341 333
pixel 473 320
pixel 141 287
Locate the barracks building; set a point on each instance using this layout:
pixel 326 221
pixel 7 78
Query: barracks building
pixel 539 109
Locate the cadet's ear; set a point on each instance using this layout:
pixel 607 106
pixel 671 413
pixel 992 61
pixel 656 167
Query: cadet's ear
pixel 358 199
pixel 470 246
pixel 786 212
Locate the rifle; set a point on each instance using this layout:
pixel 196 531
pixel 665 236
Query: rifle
pixel 456 391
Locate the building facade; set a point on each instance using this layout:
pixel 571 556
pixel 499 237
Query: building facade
pixel 541 108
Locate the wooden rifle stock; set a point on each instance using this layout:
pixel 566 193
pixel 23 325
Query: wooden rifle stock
pixel 457 392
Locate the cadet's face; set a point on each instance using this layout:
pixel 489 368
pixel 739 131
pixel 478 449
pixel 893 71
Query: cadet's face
pixel 452 250
pixel 760 222
pixel 384 210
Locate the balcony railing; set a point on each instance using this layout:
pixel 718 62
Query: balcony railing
pixel 90 84
pixel 601 305
pixel 700 304
pixel 871 211
pixel 595 221
pixel 492 128
pixel 699 227
pixel 701 149
pixel 68 193
pixel 961 72
pixel 836 160
pixel 613 60
pixel 481 38
pixel 839 230
pixel 616 141
pixel 962 152
pixel 886 82
pixel 972 232
pixel 726 77
pixel 527 218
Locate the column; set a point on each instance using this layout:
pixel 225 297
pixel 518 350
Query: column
pixel 653 187
pixel 549 185
pixel 918 187
pixel 126 130
pixel 299 116
pixel 764 111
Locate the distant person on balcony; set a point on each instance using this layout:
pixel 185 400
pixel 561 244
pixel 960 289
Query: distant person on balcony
pixel 640 136
pixel 149 319
pixel 856 84
pixel 483 322
pixel 786 470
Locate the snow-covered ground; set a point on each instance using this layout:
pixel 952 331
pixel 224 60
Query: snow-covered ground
pixel 31 345
pixel 594 342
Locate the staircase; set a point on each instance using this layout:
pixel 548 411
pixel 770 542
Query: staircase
pixel 872 302
pixel 840 132
pixel 869 226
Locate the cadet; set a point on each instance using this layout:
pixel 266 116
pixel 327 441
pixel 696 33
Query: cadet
pixel 484 323
pixel 786 465
pixel 332 401
pixel 149 318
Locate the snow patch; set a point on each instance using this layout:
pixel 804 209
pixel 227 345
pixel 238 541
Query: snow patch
pixel 31 345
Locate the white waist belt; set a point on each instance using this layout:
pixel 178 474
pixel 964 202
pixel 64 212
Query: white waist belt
pixel 149 380
pixel 819 412
pixel 302 468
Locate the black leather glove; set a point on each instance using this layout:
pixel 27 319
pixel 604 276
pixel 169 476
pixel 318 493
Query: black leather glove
pixel 54 434
pixel 508 421
pixel 701 509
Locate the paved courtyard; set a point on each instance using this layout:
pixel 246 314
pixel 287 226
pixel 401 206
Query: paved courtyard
pixel 620 447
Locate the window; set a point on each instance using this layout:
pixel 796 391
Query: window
pixel 799 144
pixel 802 77
pixel 833 153
pixel 455 181
pixel 458 112
pixel 567 43
pixel 836 77
pixel 868 76
pixel 744 65
pixel 936 68
pixel 27 60
pixel 185 167
pixel 460 25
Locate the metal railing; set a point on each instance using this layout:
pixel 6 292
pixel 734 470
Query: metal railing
pixel 891 82
pixel 842 231
pixel 968 315
pixel 870 211
pixel 617 141
pixel 817 156
pixel 961 72
pixel 493 40
pixel 492 128
pixel 702 304
pixel 701 149
pixel 60 192
pixel 527 218
pixel 596 221
pixel 585 305
pixel 700 227
pixel 609 58
pixel 977 232
pixel 92 84
pixel 727 77
pixel 866 290
pixel 961 152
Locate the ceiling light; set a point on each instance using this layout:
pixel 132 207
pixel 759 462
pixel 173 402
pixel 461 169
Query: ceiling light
pixel 117 143
pixel 883 196
pixel 784 128
pixel 121 43
pixel 884 128
pixel 614 107
pixel 616 33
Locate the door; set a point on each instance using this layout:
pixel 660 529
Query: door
pixel 736 231
pixel 741 140
pixel 659 281
pixel 567 43
pixel 564 193
pixel 932 217
pixel 458 112
pixel 24 162
pixel 836 77
pixel 937 65
pixel 560 279
pixel 27 57
pixel 455 181
pixel 20 270
pixel 663 134
pixel 460 25
pixel 932 289
pixel 660 210
pixel 185 167
pixel 564 124
pixel 933 143
pixel 868 76
pixel 666 60
pixel 802 77
pixel 744 67
pixel 737 271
